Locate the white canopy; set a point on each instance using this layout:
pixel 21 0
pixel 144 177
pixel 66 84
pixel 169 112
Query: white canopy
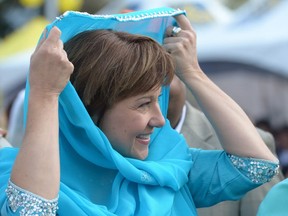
pixel 261 41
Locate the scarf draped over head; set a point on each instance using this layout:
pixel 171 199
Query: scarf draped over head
pixel 140 187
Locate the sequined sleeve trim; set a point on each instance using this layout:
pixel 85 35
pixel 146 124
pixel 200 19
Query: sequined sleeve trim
pixel 29 203
pixel 257 170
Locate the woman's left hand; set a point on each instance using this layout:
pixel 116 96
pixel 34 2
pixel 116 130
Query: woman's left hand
pixel 182 47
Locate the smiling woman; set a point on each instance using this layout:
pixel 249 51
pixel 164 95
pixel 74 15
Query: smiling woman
pixel 101 144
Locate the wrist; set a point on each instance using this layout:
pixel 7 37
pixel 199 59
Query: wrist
pixel 43 98
pixel 42 95
pixel 190 77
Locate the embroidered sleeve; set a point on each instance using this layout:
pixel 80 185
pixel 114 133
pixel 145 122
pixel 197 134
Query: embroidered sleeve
pixel 28 203
pixel 257 170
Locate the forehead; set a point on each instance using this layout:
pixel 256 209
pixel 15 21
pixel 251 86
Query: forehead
pixel 152 94
pixel 155 92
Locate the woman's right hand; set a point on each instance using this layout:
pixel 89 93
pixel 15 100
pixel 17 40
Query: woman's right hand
pixel 37 167
pixel 50 69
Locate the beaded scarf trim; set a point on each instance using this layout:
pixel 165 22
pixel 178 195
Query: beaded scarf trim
pixel 128 17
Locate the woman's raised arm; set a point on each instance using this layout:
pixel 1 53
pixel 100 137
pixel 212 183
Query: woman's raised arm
pixel 236 132
pixel 37 167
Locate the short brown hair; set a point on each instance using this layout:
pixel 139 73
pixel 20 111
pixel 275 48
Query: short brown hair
pixel 110 66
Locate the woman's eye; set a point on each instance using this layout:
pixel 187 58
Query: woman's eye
pixel 144 104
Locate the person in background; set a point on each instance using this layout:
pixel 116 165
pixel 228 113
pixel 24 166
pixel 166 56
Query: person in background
pixel 281 137
pixel 199 133
pixel 276 201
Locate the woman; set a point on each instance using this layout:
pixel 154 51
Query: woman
pixel 118 154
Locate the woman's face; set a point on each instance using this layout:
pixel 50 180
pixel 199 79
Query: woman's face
pixel 129 123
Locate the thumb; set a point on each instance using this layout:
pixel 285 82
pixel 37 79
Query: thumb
pixel 43 38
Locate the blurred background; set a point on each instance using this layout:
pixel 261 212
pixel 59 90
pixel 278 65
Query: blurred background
pixel 242 46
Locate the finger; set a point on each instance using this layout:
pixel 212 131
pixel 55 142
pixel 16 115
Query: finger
pixel 170 48
pixel 183 22
pixel 172 40
pixel 43 37
pixel 72 67
pixel 60 44
pixel 169 31
pixel 54 37
pixel 64 54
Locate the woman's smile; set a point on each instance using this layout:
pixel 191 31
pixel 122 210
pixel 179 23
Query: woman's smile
pixel 143 139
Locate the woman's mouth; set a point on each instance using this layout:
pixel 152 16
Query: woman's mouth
pixel 143 139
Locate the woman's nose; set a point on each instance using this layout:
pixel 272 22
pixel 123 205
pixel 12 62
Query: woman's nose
pixel 157 119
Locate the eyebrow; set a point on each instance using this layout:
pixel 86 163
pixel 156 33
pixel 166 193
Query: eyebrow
pixel 145 97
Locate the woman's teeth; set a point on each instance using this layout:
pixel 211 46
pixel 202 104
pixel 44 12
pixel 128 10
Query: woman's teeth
pixel 144 136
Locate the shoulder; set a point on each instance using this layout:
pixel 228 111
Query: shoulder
pixel 197 130
pixel 192 111
pixel 196 121
pixel 276 201
pixel 268 138
pixel 278 189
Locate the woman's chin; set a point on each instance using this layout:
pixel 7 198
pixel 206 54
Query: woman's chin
pixel 140 155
